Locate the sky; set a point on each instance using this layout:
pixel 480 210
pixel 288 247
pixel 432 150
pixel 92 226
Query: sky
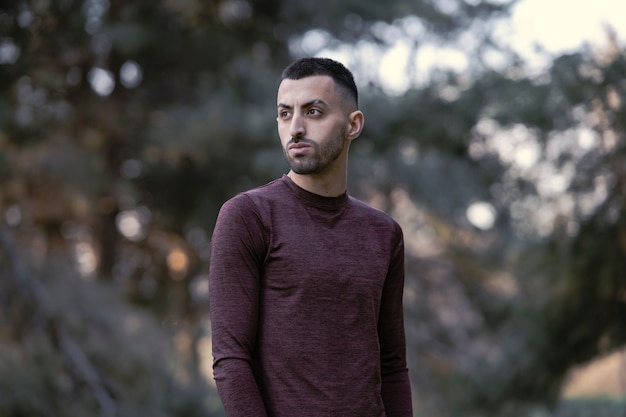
pixel 565 25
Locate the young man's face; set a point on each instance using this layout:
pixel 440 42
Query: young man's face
pixel 314 123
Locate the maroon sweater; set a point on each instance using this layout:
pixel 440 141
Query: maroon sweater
pixel 306 306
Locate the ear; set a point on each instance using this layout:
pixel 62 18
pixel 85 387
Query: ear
pixel 357 121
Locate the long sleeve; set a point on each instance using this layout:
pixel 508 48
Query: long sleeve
pixel 396 388
pixel 237 253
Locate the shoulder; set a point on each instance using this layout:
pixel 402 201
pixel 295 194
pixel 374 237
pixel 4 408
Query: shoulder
pixel 373 216
pixel 364 209
pixel 269 191
pixel 252 202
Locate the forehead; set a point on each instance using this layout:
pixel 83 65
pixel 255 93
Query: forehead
pixel 304 90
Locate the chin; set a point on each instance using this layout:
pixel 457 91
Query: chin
pixel 304 169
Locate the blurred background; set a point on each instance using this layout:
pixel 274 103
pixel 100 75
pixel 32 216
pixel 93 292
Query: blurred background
pixel 495 135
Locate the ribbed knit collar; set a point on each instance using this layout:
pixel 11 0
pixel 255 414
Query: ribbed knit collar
pixel 316 200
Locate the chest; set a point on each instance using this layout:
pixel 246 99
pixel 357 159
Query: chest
pixel 316 258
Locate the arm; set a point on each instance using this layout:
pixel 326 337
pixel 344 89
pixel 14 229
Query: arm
pixel 396 389
pixel 237 254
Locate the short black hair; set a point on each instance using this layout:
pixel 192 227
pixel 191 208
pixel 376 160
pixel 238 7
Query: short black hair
pixel 308 67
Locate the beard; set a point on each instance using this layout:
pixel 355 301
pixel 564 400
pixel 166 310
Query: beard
pixel 316 161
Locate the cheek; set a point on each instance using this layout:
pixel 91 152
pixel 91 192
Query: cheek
pixel 283 134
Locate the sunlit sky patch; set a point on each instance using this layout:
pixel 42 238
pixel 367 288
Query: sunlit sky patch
pixel 565 25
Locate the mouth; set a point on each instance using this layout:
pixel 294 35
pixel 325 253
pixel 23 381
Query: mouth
pixel 299 145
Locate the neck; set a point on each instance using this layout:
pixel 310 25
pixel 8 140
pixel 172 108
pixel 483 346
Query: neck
pixel 324 185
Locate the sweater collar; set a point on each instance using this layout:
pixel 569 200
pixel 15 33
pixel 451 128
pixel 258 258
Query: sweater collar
pixel 316 200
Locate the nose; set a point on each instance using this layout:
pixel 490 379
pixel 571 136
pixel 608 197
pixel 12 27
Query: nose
pixel 297 128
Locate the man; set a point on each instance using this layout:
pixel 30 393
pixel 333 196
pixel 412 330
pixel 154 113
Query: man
pixel 306 282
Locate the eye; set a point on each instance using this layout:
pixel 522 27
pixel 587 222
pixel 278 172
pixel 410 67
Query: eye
pixel 314 112
pixel 284 114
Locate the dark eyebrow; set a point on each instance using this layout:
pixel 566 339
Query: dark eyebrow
pixel 305 105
